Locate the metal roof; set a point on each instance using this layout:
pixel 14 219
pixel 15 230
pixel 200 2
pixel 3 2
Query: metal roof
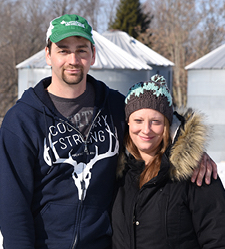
pixel 136 48
pixel 108 56
pixel 35 61
pixel 213 60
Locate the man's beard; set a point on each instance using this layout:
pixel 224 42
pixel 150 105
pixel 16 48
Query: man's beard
pixel 79 77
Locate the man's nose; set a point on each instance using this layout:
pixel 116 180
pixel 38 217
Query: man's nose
pixel 73 59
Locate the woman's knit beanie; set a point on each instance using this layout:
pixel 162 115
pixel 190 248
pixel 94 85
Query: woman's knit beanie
pixel 153 94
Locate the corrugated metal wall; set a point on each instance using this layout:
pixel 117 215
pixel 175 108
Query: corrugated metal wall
pixel 206 93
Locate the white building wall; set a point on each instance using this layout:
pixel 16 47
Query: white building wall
pixel 206 93
pixel 120 79
pixel 29 77
pixel 123 79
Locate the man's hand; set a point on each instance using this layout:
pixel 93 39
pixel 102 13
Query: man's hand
pixel 206 168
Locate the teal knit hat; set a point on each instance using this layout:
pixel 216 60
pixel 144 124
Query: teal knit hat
pixel 69 25
pixel 153 94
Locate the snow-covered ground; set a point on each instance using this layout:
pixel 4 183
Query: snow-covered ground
pixel 221 172
pixel 1 240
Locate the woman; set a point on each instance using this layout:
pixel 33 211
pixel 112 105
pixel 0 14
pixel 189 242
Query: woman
pixel 157 206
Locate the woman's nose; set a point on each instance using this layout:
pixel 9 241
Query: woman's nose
pixel 146 127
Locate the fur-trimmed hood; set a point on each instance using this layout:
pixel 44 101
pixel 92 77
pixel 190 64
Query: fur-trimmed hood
pixel 188 143
pixel 189 139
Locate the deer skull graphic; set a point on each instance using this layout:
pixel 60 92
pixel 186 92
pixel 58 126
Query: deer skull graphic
pixel 82 171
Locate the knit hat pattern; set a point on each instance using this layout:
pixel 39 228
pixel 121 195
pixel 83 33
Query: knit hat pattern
pixel 153 94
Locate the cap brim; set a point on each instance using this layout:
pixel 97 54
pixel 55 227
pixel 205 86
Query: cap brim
pixel 58 37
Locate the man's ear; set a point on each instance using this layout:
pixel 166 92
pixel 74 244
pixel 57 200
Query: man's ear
pixel 93 56
pixel 48 56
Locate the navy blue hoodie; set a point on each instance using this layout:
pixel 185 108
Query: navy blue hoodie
pixel 56 186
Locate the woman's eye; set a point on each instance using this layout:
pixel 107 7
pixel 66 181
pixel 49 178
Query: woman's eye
pixel 156 122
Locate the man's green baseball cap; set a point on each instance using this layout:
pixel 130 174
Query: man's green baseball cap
pixel 69 25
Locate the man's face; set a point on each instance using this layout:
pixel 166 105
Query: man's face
pixel 70 60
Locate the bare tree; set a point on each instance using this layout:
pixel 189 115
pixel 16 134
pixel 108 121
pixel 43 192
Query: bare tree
pixel 22 35
pixel 183 31
pixel 173 20
pixel 109 12
pixel 92 10
pixel 210 33
pixel 8 74
pixel 56 8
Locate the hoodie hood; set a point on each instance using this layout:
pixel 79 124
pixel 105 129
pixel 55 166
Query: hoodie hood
pixel 39 99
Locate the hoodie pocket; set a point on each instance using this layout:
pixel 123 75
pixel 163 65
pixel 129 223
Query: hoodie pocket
pixel 55 226
pixel 95 228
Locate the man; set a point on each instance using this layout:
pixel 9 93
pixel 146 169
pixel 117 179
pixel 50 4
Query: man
pixel 58 147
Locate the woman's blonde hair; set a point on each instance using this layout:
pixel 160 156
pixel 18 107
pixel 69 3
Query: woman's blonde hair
pixel 151 170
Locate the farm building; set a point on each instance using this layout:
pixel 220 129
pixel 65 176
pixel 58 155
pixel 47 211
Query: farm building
pixel 160 65
pixel 206 92
pixel 117 67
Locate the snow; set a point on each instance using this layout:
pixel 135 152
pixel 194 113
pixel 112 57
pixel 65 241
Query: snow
pixel 221 173
pixel 1 241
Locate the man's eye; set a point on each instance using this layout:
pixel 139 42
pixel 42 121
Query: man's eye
pixel 138 120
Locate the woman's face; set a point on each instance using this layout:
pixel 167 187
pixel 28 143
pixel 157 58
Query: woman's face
pixel 146 127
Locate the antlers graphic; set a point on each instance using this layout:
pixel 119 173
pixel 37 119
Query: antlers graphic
pixel 82 171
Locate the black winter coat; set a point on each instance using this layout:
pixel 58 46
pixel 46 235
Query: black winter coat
pixel 168 212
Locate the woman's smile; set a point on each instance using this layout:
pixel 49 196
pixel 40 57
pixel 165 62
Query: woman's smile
pixel 146 127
